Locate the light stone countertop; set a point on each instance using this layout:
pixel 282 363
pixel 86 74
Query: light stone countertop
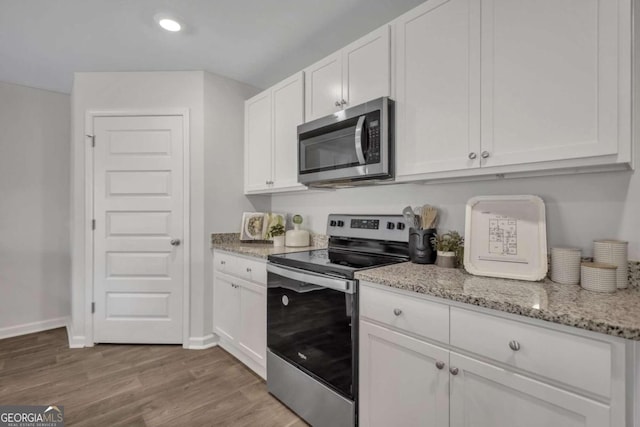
pixel 616 314
pixel 230 242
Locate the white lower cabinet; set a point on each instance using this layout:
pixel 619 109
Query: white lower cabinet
pixel 403 381
pixel 484 395
pixel 456 372
pixel 240 309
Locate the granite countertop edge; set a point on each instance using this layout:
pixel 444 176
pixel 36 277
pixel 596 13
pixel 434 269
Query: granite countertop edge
pixel 594 324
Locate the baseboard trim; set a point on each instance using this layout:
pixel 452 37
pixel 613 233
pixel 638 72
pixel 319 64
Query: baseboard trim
pixel 30 328
pixel 75 341
pixel 202 343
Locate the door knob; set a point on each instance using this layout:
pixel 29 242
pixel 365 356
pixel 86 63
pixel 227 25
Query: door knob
pixel 175 242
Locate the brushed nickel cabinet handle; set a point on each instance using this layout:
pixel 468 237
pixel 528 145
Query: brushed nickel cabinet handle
pixel 397 311
pixel 439 364
pixel 472 156
pixel 454 371
pixel 485 154
pixel 514 345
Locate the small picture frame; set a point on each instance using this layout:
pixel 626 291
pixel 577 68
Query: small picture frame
pixel 256 225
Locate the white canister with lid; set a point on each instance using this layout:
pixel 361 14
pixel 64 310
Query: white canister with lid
pixel 598 277
pixel 565 265
pixel 297 238
pixel 613 252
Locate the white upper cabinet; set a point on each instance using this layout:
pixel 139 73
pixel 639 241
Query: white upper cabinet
pixel 257 142
pixel 438 87
pixel 357 73
pixel 512 86
pixel 271 139
pixel 551 79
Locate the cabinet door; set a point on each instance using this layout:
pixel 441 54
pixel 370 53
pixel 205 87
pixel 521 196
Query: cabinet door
pixel 252 337
pixel 257 142
pixel 484 395
pixel 366 68
pixel 225 307
pixel 550 79
pixel 288 113
pixel 323 87
pixel 400 384
pixel 438 87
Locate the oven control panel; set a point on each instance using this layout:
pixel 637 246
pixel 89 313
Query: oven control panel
pixel 376 227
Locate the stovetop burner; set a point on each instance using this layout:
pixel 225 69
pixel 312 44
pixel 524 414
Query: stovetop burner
pixel 356 242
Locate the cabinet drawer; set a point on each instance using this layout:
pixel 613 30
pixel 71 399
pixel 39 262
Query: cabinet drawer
pixel 414 315
pixel 243 268
pixel 576 361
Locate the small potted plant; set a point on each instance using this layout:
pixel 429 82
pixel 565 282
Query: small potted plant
pixel 277 232
pixel 449 247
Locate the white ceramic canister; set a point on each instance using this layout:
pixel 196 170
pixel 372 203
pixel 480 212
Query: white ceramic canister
pixel 565 265
pixel 598 277
pixel 613 252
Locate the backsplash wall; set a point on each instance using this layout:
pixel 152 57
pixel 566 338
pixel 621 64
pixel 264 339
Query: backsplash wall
pixel 580 207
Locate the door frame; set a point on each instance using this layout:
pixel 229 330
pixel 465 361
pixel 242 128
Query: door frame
pixel 90 116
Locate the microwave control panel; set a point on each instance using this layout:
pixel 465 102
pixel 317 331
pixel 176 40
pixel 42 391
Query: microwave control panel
pixel 373 135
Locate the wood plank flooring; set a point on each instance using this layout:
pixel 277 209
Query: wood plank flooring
pixel 136 385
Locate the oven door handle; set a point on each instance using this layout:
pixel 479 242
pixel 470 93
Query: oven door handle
pixel 342 285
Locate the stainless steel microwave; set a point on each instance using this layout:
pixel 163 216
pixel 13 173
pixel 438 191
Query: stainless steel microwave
pixel 349 147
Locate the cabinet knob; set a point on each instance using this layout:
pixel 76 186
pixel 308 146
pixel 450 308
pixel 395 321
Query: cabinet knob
pixel 397 311
pixel 175 242
pixel 343 102
pixel 248 270
pixel 439 364
pixel 514 345
pixel 485 154
pixel 338 104
pixel 222 262
pixel 454 371
pixel 472 156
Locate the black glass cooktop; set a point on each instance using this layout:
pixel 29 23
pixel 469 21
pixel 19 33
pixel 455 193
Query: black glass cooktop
pixel 343 263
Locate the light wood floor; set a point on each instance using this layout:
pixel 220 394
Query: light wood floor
pixel 136 385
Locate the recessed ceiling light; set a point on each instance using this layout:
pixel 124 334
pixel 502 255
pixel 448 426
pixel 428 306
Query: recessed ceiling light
pixel 169 24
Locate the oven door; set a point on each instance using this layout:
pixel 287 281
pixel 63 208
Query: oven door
pixel 312 324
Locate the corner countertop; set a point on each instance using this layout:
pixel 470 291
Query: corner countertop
pixel 616 314
pixel 230 242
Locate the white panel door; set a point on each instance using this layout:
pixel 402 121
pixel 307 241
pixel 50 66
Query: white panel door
pixel 257 142
pixel 403 381
pixel 323 87
pixel 366 68
pixel 550 79
pixel 484 395
pixel 288 113
pixel 438 87
pixel 139 210
pixel 226 307
pixel 252 337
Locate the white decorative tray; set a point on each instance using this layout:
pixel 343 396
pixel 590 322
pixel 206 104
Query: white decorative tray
pixel 506 236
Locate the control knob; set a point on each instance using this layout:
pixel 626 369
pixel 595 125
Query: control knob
pixel 390 226
pixel 333 223
pixel 340 223
pixel 400 226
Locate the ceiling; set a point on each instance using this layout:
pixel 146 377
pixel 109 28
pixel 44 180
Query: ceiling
pixel 42 42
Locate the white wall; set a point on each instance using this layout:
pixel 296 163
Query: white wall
pixel 148 91
pixel 34 209
pixel 223 156
pixel 580 207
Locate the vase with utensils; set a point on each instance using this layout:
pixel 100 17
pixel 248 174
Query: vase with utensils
pixel 422 228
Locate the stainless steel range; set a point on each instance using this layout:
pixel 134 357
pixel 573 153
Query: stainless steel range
pixel 312 316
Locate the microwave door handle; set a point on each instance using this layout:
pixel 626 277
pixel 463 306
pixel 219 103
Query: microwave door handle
pixel 358 140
